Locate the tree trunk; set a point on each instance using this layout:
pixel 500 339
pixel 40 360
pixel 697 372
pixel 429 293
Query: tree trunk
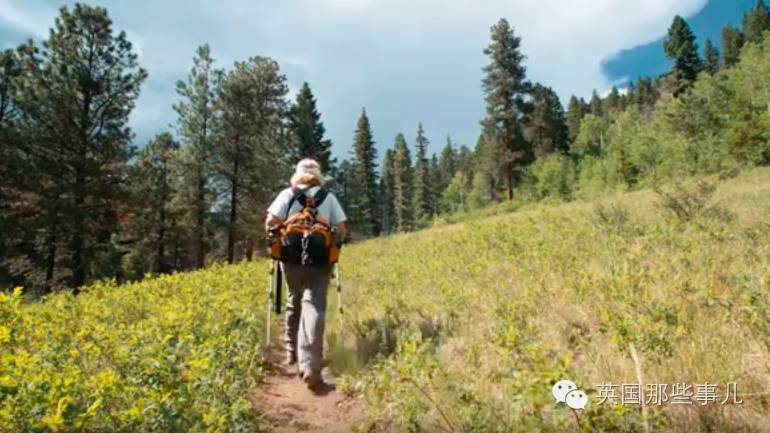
pixel 250 250
pixel 200 260
pixel 77 242
pixel 510 182
pixel 233 214
pixel 160 263
pixel 50 259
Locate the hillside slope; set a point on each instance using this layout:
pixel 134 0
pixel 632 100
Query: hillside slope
pixel 479 318
pixel 460 328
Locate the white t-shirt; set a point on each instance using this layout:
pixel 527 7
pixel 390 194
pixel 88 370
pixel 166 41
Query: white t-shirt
pixel 330 210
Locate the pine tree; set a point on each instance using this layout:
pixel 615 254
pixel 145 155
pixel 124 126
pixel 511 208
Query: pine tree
pixel 436 179
pixel 447 164
pixel 680 47
pixel 422 187
pixel 154 220
pixel 596 105
pixel 10 163
pixel 629 98
pixel 711 59
pixel 575 112
pixel 78 93
pixel 362 199
pixel 197 117
pixel 387 180
pixel 251 104
pixel 756 22
pixel 341 180
pixel 546 127
pixel 308 130
pixel 732 42
pixel 466 163
pixel 613 103
pixel 403 181
pixel 646 95
pixel 505 88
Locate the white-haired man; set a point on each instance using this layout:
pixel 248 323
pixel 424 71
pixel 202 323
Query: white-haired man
pixel 306 301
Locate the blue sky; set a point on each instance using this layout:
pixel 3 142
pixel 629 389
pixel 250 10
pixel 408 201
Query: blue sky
pixel 647 59
pixel 404 60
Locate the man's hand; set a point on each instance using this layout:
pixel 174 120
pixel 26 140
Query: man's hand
pixel 340 231
pixel 272 222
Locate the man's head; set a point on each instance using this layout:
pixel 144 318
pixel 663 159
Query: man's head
pixel 307 173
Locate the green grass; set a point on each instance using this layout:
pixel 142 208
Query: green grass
pixel 464 326
pixel 461 328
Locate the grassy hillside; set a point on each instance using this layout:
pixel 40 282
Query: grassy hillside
pixel 460 328
pixel 478 318
pixel 172 354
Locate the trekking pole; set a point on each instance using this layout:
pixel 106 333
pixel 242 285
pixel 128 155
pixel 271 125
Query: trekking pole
pixel 278 287
pixel 339 292
pixel 270 272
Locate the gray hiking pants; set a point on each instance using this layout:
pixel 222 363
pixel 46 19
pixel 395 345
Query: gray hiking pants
pixel 303 332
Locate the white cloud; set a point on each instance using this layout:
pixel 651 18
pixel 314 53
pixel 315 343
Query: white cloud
pixel 26 17
pixel 405 60
pixel 350 4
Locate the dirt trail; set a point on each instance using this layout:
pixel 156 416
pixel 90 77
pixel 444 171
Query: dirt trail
pixel 288 406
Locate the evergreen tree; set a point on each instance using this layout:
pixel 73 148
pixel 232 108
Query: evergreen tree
pixel 680 47
pixel 10 73
pixel 575 112
pixel 756 22
pixel 155 222
pixel 422 188
pixel 629 98
pixel 645 96
pixel 505 89
pixel 308 130
pixel 436 179
pixel 10 162
pixel 732 42
pixel 546 127
pixel 77 96
pixel 596 105
pixel 466 162
pixel 387 181
pixel 613 103
pixel 403 179
pixel 362 198
pixel 447 164
pixel 341 183
pixel 251 105
pixel 197 117
pixel 711 59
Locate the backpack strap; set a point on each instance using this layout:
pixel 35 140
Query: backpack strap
pixel 301 197
pixel 319 197
pixel 296 197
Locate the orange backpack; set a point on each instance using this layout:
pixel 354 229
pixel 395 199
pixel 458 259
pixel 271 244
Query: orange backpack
pixel 304 238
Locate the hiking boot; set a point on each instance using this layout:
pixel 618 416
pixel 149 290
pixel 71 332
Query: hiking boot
pixel 312 380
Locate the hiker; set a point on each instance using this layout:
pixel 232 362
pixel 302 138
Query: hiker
pixel 303 333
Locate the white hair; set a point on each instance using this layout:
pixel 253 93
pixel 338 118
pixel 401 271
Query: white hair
pixel 307 172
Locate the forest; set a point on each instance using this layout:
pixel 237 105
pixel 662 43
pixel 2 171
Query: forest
pixel 81 201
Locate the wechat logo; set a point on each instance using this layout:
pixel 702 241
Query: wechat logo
pixel 565 391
